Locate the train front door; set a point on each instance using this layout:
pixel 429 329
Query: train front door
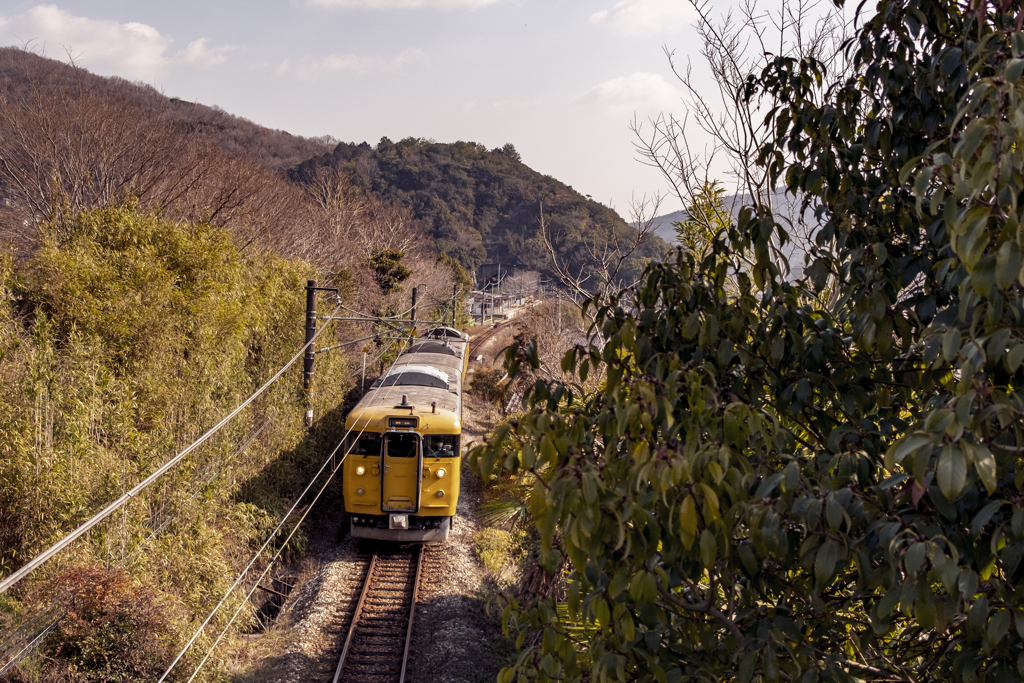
pixel 400 475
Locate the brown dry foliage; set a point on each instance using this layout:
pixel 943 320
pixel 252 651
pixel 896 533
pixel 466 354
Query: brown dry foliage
pixel 114 630
pixel 70 141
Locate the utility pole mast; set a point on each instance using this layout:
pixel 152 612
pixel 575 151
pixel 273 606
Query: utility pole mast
pixel 455 300
pixel 310 355
pixel 412 315
pixel 307 366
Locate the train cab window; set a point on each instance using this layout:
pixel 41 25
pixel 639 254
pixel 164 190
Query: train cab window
pixel 366 443
pixel 401 446
pixel 441 446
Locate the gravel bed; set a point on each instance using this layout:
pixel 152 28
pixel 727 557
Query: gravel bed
pixel 455 640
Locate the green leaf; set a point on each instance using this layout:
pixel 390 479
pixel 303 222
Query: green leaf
pixel 619 582
pixel 1008 263
pixel 1014 357
pixel 984 516
pixel 688 517
pixel 951 471
pixel 985 464
pixel 747 666
pixel 914 557
pixel 825 563
pixel 889 601
pixel 833 512
pixel 998 625
pixel 627 626
pixel 924 607
pixel 1014 69
pixel 792 477
pixel 978 614
pixel 901 449
pixel 951 342
pixel 708 549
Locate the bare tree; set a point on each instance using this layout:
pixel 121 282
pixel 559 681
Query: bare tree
pixel 601 267
pixel 70 142
pixel 732 48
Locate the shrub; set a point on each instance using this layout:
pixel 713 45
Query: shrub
pixel 114 629
pixel 486 386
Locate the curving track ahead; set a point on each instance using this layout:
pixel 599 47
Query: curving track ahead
pixel 482 338
pixel 377 647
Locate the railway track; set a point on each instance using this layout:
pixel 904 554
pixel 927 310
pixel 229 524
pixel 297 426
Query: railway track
pixel 480 339
pixel 376 648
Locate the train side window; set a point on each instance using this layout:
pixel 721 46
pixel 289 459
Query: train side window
pixel 366 443
pixel 441 446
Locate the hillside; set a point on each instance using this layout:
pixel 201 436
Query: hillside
pixel 25 75
pixel 199 162
pixel 482 205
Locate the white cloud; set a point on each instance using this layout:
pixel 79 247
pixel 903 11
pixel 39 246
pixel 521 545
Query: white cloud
pixel 131 50
pixel 199 53
pixel 311 68
pixel 406 4
pixel 646 17
pixel 642 93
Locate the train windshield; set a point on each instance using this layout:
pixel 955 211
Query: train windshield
pixel 401 445
pixel 366 443
pixel 441 446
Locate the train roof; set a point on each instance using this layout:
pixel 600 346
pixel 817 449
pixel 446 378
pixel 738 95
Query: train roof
pixel 447 332
pixel 438 410
pixel 449 365
pixel 425 381
pixel 414 375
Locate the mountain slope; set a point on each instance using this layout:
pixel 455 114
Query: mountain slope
pixel 480 204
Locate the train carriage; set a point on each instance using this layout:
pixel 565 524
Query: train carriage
pixel 401 474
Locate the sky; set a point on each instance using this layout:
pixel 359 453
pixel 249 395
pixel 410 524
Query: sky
pixel 559 79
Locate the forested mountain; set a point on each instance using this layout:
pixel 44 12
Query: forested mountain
pixel 199 162
pixel 25 75
pixel 479 204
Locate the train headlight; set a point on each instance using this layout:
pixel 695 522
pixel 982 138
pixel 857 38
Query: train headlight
pixel 360 470
pixel 440 494
pixel 360 492
pixel 441 473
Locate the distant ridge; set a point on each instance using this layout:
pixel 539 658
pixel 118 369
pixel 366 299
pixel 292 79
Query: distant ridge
pixel 665 226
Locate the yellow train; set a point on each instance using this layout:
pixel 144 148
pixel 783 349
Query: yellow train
pixel 401 474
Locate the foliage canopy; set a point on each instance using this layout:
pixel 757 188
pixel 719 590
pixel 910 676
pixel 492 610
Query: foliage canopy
pixel 479 204
pixel 817 479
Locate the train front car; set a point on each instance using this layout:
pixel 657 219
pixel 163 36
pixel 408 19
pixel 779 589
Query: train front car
pixel 401 474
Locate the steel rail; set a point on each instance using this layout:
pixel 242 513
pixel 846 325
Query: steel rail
pixel 358 613
pixel 412 613
pixel 355 618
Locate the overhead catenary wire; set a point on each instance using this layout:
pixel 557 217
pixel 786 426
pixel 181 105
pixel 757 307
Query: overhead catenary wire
pixel 40 559
pixel 259 552
pixel 367 316
pixel 32 633
pixel 56 611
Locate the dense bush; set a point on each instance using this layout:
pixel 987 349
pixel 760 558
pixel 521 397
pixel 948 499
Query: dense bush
pixel 817 478
pixel 119 345
pixel 114 629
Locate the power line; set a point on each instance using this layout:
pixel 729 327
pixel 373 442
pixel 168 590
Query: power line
pixel 107 511
pixel 56 611
pixel 259 552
